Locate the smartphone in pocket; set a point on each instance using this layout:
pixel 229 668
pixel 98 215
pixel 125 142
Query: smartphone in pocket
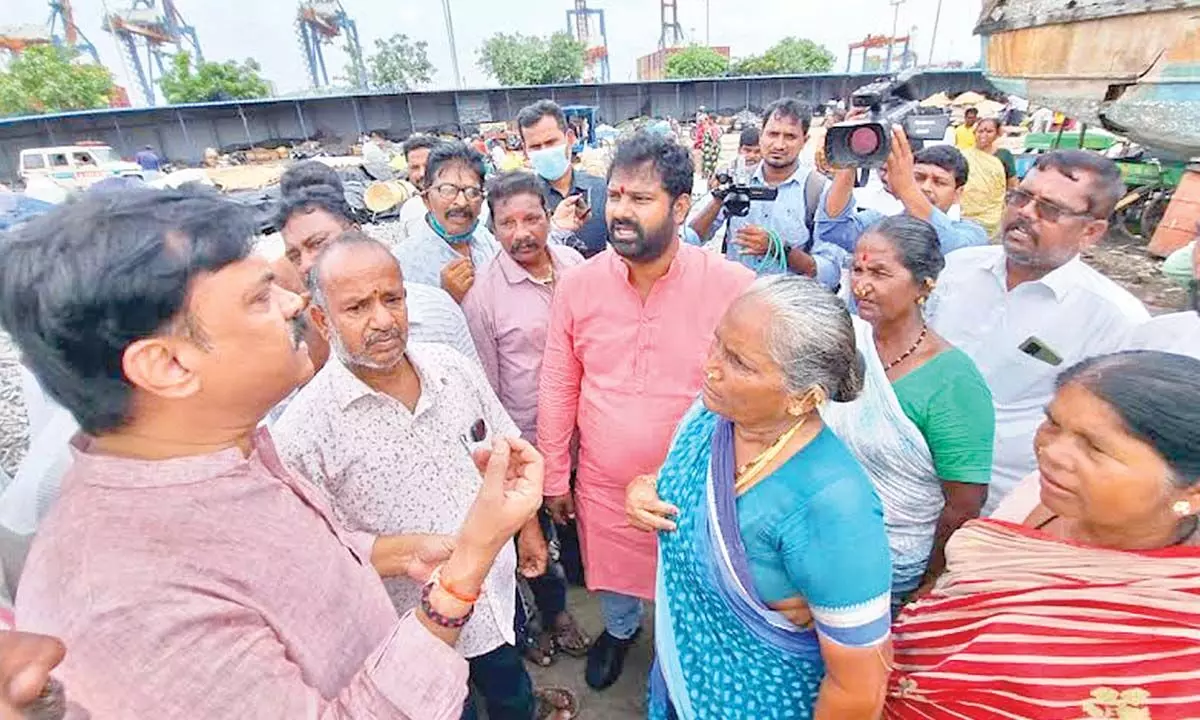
pixel 1038 349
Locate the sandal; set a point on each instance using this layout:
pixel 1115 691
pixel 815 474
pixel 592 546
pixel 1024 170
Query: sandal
pixel 540 651
pixel 556 704
pixel 569 638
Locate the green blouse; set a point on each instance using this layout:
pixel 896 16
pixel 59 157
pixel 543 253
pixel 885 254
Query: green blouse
pixel 950 403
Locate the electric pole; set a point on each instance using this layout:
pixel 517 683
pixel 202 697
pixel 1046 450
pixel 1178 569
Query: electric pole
pixel 895 25
pixel 450 37
pixel 933 40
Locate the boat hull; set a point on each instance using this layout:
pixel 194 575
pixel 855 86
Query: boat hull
pixel 1130 67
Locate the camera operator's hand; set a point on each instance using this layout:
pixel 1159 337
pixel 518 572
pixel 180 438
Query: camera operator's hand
pixel 901 179
pixel 753 240
pixel 571 214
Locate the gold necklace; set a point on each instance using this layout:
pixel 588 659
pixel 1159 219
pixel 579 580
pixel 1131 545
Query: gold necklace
pixel 748 475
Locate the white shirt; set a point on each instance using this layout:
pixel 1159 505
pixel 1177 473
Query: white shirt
pixel 390 470
pixel 412 216
pixel 1074 311
pixel 434 317
pixel 1177 333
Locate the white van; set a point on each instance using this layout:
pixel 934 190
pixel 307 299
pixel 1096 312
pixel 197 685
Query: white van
pixel 75 166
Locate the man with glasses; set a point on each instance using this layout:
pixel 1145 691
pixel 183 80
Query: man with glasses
pixel 447 248
pixel 1029 308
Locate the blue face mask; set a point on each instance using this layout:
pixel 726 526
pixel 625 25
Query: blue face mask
pixel 550 163
pixel 445 235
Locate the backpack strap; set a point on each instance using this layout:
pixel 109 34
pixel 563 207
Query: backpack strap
pixel 814 185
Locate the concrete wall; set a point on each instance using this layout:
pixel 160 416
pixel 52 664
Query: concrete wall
pixel 181 133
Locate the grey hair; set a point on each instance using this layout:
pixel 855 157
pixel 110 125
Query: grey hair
pixel 810 336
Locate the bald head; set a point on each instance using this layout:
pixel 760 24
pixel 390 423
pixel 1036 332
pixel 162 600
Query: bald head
pixel 351 249
pixel 359 303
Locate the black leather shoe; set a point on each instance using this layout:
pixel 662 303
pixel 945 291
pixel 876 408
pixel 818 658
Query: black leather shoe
pixel 606 660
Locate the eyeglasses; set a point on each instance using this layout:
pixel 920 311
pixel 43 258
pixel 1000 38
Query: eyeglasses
pixel 449 191
pixel 1046 210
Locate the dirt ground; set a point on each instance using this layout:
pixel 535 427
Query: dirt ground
pixel 624 700
pixel 1123 258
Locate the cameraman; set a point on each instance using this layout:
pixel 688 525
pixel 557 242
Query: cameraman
pixel 791 216
pixel 929 184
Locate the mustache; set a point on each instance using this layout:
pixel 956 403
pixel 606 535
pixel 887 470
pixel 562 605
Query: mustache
pixel 299 329
pixel 459 213
pixel 1023 225
pixel 522 245
pixel 627 225
pixel 383 336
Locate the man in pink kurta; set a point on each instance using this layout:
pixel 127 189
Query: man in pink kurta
pixel 629 331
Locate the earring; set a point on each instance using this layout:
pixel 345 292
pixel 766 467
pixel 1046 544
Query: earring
pixel 710 375
pixel 1182 508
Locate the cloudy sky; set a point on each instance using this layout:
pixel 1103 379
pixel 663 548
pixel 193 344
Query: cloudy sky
pixel 263 29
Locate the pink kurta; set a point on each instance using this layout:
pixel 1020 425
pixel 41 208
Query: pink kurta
pixel 624 372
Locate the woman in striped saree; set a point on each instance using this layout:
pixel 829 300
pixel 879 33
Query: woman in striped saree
pixel 1088 605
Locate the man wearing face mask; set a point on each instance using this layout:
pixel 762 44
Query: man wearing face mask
pixel 447 248
pixel 628 334
pixel 576 198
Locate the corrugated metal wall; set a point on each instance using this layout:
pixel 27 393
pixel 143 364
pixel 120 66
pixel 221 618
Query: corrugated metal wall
pixel 181 133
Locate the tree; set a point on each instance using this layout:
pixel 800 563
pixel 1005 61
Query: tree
pixel 696 61
pixel 525 60
pixel 45 78
pixel 399 64
pixel 789 56
pixel 210 81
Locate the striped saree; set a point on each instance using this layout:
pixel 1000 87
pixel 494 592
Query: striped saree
pixel 1025 625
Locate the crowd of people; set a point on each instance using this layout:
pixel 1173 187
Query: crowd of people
pixel 867 459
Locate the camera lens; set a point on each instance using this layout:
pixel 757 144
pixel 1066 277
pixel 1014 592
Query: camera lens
pixel 864 141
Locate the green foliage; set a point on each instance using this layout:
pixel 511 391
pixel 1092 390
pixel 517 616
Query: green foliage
pixel 399 64
pixel 525 60
pixel 789 56
pixel 696 61
pixel 45 79
pixel 209 81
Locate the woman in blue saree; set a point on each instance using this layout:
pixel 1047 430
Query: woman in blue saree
pixel 772 596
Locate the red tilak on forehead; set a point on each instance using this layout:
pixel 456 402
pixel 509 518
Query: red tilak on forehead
pixel 864 256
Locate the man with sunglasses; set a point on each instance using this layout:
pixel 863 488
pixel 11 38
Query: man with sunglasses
pixel 1177 332
pixel 1029 308
pixel 448 247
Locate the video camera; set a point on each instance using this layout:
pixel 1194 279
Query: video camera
pixel 737 196
pixel 865 142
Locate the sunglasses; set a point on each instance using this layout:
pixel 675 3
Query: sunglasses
pixel 1046 210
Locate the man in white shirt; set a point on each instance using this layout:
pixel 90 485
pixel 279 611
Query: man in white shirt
pixel 1028 309
pixel 1174 332
pixel 387 429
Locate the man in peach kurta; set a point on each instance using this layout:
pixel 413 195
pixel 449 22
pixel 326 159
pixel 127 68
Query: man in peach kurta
pixel 629 331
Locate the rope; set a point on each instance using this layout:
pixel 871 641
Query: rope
pixel 775 261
